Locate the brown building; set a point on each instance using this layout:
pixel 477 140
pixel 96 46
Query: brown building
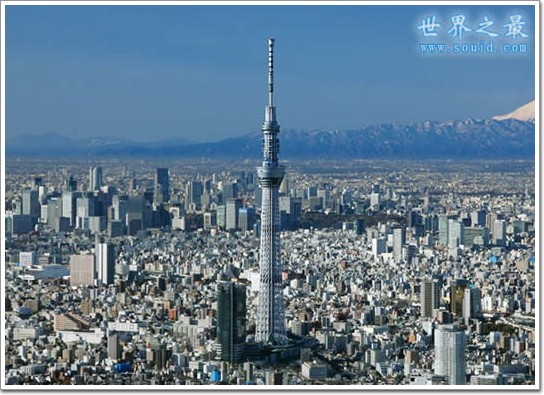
pixel 82 270
pixel 70 322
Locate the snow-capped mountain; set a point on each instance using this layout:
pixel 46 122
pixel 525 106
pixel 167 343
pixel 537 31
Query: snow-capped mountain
pixel 523 113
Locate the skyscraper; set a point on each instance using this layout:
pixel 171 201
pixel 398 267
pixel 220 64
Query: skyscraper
pixel 399 239
pixel 457 294
pixel 85 208
pixel 54 215
pixel 70 184
pixel 290 208
pixel 478 218
pixel 270 326
pixel 193 194
pixel 95 178
pixel 69 201
pixel 221 212
pixel 233 205
pixel 430 296
pixel 499 232
pixel 162 184
pixel 113 346
pixel 472 303
pixel 135 214
pixel 375 201
pixel 105 261
pixel 231 320
pixel 30 203
pixel 456 233
pixel 443 229
pixel 246 218
pixel 449 348
pixel 359 226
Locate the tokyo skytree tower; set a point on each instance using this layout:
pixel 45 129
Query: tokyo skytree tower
pixel 270 328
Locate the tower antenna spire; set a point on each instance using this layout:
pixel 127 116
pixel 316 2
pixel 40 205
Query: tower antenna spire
pixel 270 72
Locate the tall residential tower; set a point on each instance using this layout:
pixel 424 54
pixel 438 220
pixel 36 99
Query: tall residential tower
pixel 271 311
pixel 449 348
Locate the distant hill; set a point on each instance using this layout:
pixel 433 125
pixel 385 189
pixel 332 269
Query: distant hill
pixel 507 137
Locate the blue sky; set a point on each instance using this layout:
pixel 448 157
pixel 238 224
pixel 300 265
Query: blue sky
pixel 145 73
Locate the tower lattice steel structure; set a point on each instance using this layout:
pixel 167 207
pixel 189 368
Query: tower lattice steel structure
pixel 270 326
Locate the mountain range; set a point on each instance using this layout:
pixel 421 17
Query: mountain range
pixel 504 136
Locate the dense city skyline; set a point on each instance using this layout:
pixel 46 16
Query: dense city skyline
pixel 166 72
pixel 462 297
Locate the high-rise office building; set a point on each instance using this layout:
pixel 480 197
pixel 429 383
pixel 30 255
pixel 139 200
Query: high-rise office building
pixel 161 356
pixel 210 220
pixel 478 218
pixel 233 205
pixel 325 195
pixel 38 181
pixel 105 261
pixel 246 218
pixel 82 270
pixel 221 216
pixel 55 220
pixel 69 206
pixel 19 223
pixel 231 320
pixel 114 349
pixel 284 186
pixel 30 203
pixel 290 211
pixel 443 229
pixel 85 208
pixel 359 226
pixel 476 236
pixel 162 184
pixel 379 246
pixel 430 222
pixel 70 185
pixel 135 214
pixel 457 294
pixel 346 198
pixel 42 194
pixel 499 232
pixel 472 303
pixel 119 205
pixel 413 219
pixel 399 239
pixel 430 296
pixel 456 233
pixel 229 191
pixel 449 348
pixel 375 201
pixel 27 259
pixel 193 195
pixel 270 326
pixel 95 179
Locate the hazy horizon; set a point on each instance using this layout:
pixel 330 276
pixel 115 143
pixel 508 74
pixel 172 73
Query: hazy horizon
pixel 257 130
